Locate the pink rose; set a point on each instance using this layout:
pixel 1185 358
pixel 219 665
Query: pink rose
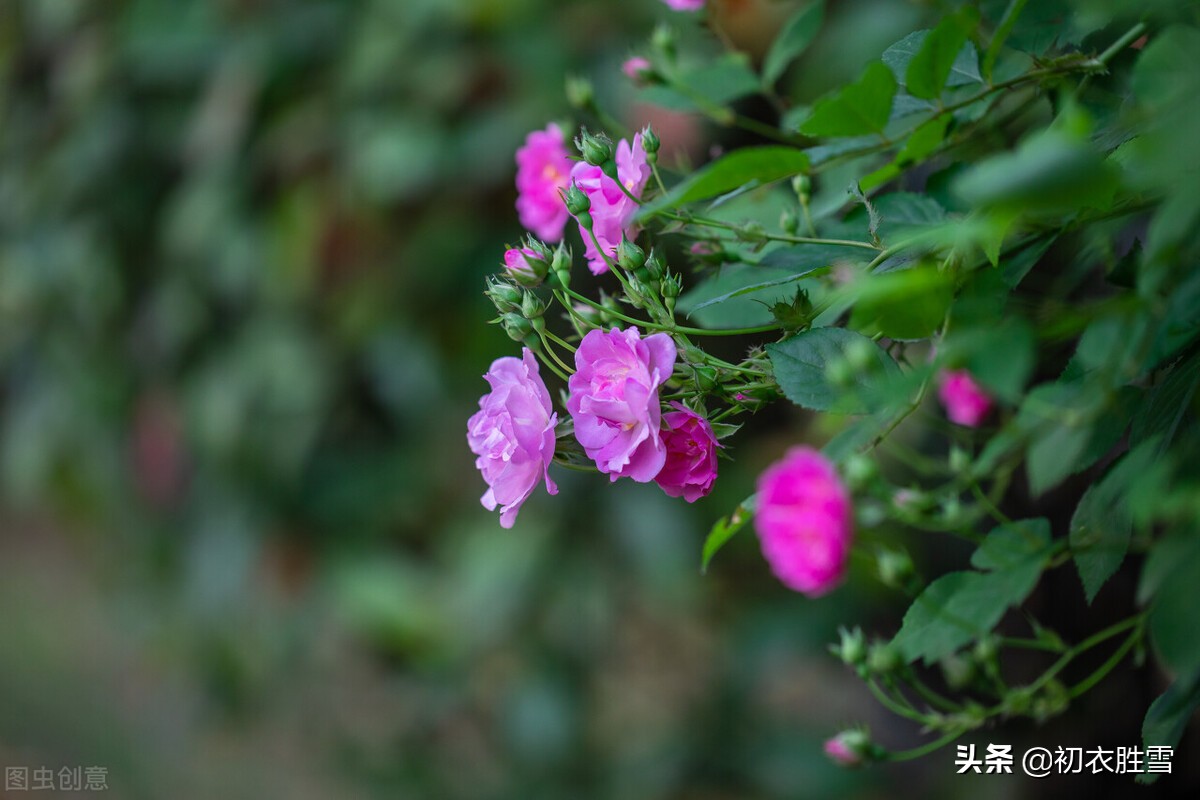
pixel 513 435
pixel 804 521
pixel 614 400
pixel 634 67
pixel 691 465
pixel 543 168
pixel 517 262
pixel 966 403
pixel 612 210
pixel 685 5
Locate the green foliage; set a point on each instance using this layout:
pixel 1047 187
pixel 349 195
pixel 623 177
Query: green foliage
pixel 807 367
pixel 859 108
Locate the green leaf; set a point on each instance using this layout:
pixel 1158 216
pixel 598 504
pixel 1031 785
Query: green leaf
pixel 963 606
pixel 1167 404
pixel 999 356
pixel 762 164
pixel 899 57
pixel 795 38
pixel 801 364
pixel 804 258
pixel 1168 716
pixel 709 87
pixel 750 289
pixel 736 310
pixel 1011 14
pixel 724 529
pixel 906 304
pixel 1018 264
pixel 1049 171
pixel 942 49
pixel 924 140
pixel 1100 532
pixel 858 108
pixel 1173 620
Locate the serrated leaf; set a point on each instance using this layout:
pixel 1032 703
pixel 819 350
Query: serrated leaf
pixel 709 87
pixel 1100 534
pixel 941 51
pixel 963 71
pixel 1166 405
pixel 724 530
pixel 859 108
pixel 745 290
pixel 1011 14
pixel 800 365
pixel 797 34
pixel 1173 619
pixel 1014 546
pixel 804 258
pixel 763 164
pixel 741 311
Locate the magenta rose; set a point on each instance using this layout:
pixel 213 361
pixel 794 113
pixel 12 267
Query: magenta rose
pixel 804 521
pixel 513 435
pixel 965 401
pixel 614 400
pixel 612 210
pixel 691 466
pixel 543 169
pixel 685 5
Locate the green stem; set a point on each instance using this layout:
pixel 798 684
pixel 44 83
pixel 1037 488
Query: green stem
pixel 896 708
pixel 671 328
pixel 550 352
pixel 925 749
pixel 775 237
pixel 1108 666
pixel 560 342
pixel 1126 39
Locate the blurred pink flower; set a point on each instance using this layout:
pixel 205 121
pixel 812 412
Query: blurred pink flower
pixel 614 400
pixel 634 67
pixel 612 209
pixel 965 401
pixel 848 748
pixel 804 521
pixel 543 168
pixel 513 435
pixel 685 5
pixel 691 466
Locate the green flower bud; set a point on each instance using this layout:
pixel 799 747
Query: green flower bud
pixel 578 203
pixel 650 141
pixel 852 748
pixel 532 306
pixel 895 567
pixel 671 287
pixel 789 222
pixel 859 355
pixel 838 372
pixel 960 461
pixel 655 266
pixel 852 649
pixel 883 659
pixel 560 265
pixel 859 469
pixel 580 94
pixel 957 671
pixel 505 296
pixel 517 327
pixel 752 232
pixel 631 257
pixel 706 378
pixel 596 149
pixel 802 186
pixel 663 40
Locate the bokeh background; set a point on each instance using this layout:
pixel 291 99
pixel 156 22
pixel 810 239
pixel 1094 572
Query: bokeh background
pixel 242 253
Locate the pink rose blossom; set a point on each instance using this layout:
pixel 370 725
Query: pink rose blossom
pixel 691 465
pixel 612 210
pixel 804 521
pixel 614 400
pixel 543 168
pixel 966 403
pixel 685 5
pixel 516 261
pixel 634 67
pixel 513 435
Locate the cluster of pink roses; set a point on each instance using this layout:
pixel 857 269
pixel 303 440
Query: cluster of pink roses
pixel 615 406
pixel 619 420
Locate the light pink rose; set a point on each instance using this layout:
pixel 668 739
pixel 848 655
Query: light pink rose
pixel 513 435
pixel 543 169
pixel 691 466
pixel 614 400
pixel 685 5
pixel 612 210
pixel 965 401
pixel 804 521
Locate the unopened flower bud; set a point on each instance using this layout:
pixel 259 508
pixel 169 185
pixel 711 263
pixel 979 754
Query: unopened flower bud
pixel 577 202
pixel 838 372
pixel 631 257
pixel 852 649
pixel 663 40
pixel 706 378
pixel 883 659
pixel 752 232
pixel 640 71
pixel 655 266
pixel 504 296
pixel 802 186
pixel 895 567
pixel 850 748
pixel 532 306
pixel 650 143
pixel 518 328
pixel 859 355
pixel 789 221
pixel 671 287
pixel 560 265
pixel 859 469
pixel 580 93
pixel 526 265
pixel 596 149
